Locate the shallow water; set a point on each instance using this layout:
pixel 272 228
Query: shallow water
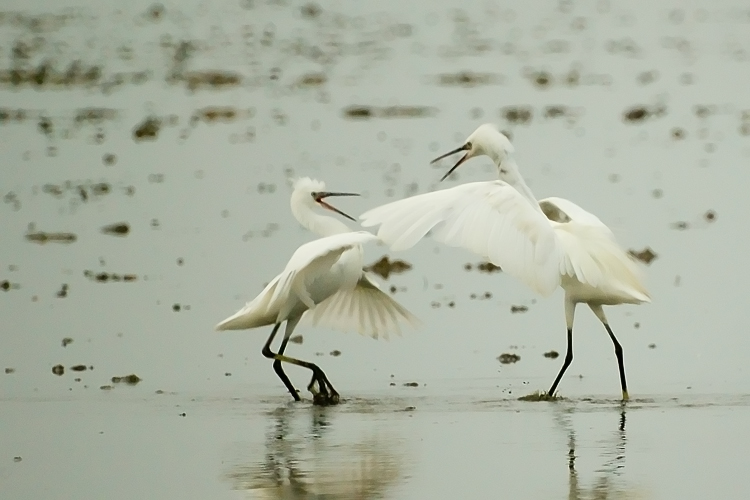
pixel 146 154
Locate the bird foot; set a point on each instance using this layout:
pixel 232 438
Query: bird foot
pixel 321 399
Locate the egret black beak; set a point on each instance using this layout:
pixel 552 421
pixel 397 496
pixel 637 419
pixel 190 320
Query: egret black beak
pixel 465 147
pixel 325 194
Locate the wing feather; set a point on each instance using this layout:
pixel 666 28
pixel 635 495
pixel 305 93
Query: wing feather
pixel 365 309
pixel 491 219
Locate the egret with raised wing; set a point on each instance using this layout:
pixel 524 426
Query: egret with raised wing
pixel 547 243
pixel 324 278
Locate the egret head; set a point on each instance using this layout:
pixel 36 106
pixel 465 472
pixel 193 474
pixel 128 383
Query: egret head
pixel 311 193
pixel 485 140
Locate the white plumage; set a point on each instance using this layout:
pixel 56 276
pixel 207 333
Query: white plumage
pixel 545 244
pixel 324 277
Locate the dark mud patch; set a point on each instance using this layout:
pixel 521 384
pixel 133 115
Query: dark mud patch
pixel 508 358
pixel 116 229
pixel 297 339
pixel 6 285
pixel 217 114
pixel 469 79
pixel 147 130
pixel 551 354
pixel 104 277
pixel 411 384
pixel 42 237
pixel 310 80
pixel 517 115
pixel 79 368
pixel 335 353
pixel 518 309
pixel 9 370
pixel 62 292
pixel 646 255
pixel 131 379
pixel 357 112
pixel 66 341
pixel 540 396
pixel 640 113
pixel 484 267
pixel 385 267
pixel 58 370
pixel 212 80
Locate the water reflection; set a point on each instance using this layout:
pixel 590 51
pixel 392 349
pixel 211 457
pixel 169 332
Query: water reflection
pixel 608 482
pixel 315 463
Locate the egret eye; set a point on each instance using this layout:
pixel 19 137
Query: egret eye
pixel 468 146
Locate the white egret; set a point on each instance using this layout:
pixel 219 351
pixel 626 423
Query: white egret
pixel 324 277
pixel 547 243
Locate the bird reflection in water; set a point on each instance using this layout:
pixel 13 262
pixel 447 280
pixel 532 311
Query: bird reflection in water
pixel 314 465
pixel 609 482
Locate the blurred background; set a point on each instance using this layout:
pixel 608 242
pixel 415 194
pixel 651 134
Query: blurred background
pixel 147 153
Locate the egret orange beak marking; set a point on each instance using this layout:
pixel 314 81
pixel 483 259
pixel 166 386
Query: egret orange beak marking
pixel 325 194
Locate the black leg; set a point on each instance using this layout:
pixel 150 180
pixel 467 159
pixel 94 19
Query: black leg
pixel 278 368
pixel 620 364
pixel 277 363
pixel 323 383
pixel 566 364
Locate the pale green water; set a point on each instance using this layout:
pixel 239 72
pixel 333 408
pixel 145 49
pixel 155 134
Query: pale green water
pixel 247 94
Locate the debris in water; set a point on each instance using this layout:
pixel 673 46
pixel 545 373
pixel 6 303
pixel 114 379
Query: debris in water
pixel 487 267
pixel 42 237
pixel 646 255
pixel 680 225
pixel 518 309
pixel 176 307
pixel 312 80
pixel 63 291
pixel 469 79
pixel 384 267
pixel 9 370
pixel 551 354
pixel 411 384
pixel 103 277
pixel 78 368
pixel 519 115
pixel 106 387
pixel 507 358
pixel 213 114
pixel 17 459
pixel 147 130
pixel 109 159
pixel 116 229
pixel 652 346
pixel 297 339
pixel 639 114
pixel 66 341
pixel 211 79
pixel 131 379
pixel 58 370
pixel 540 396
pixel 365 112
pixel 335 353
pixel 710 216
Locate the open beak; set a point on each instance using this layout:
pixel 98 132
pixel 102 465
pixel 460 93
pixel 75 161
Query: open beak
pixel 465 157
pixel 326 194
